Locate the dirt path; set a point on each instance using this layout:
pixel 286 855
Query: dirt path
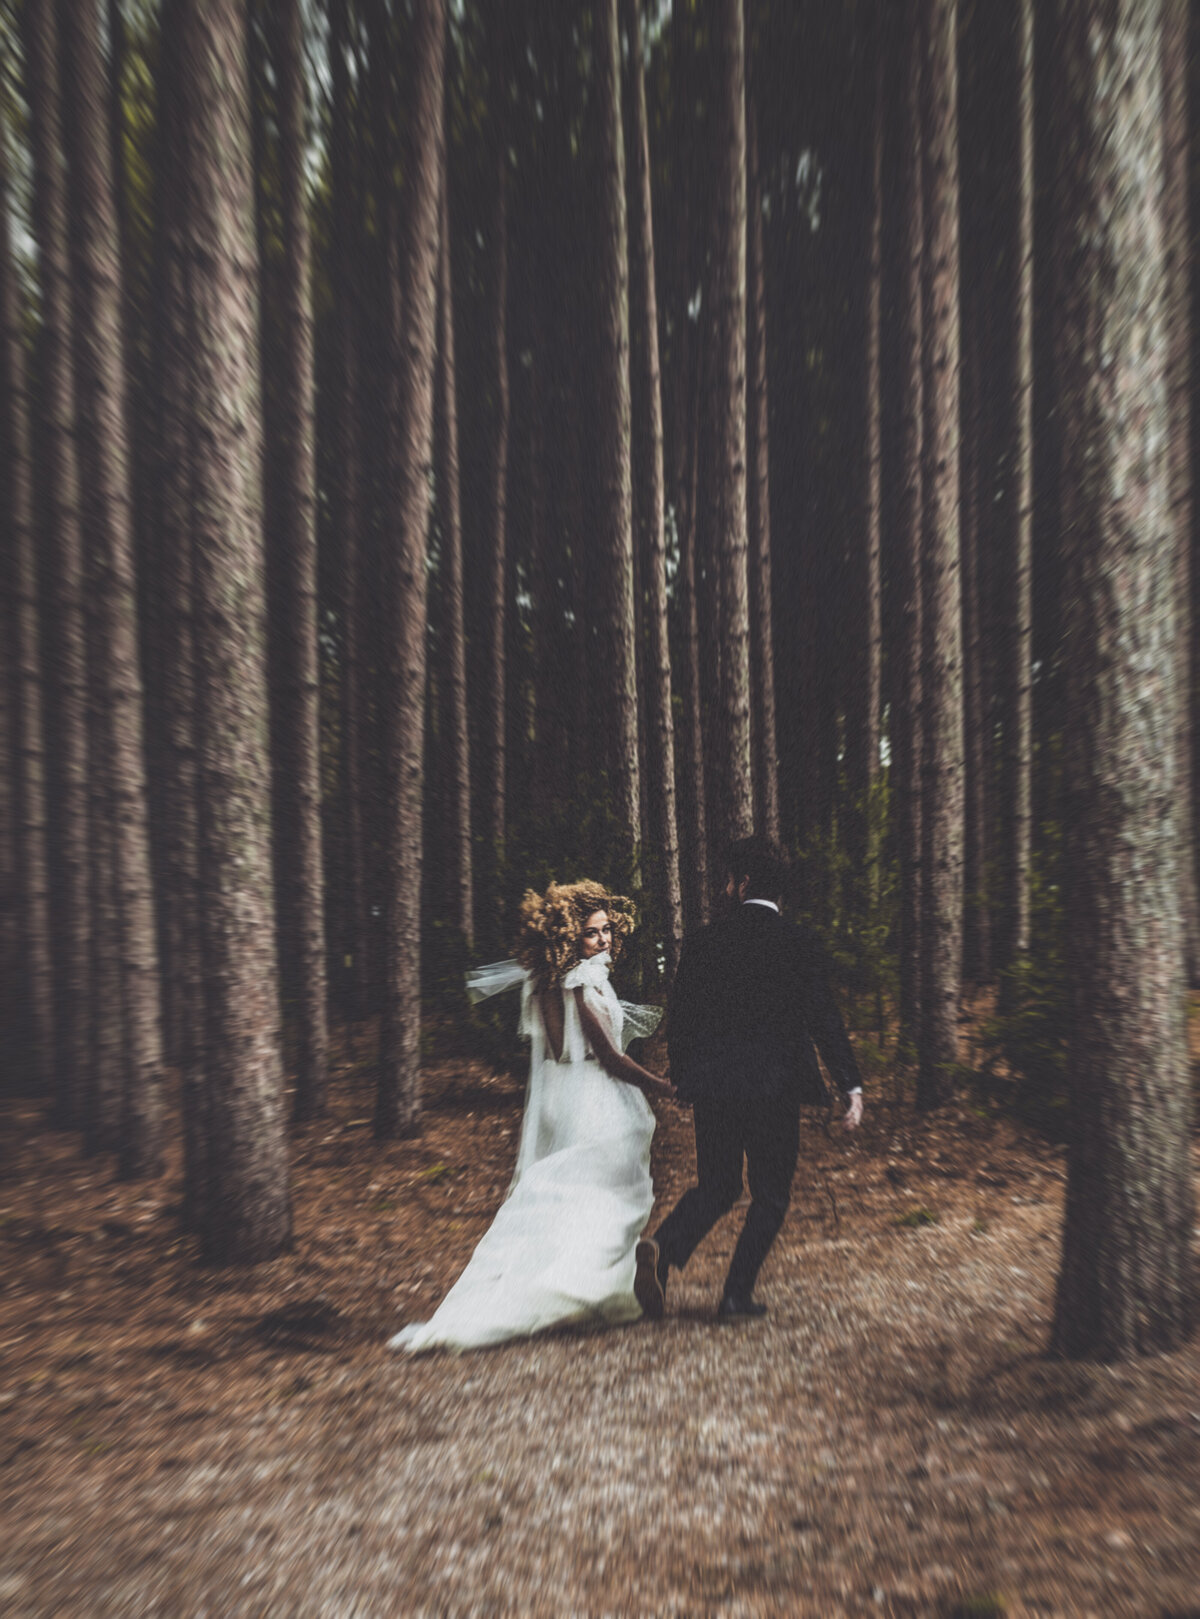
pixel 888 1441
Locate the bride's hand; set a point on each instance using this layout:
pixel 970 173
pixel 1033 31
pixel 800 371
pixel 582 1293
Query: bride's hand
pixel 653 1086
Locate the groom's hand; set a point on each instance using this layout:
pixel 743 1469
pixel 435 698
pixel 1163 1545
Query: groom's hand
pixel 854 1112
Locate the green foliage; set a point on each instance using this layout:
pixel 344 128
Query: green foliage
pixel 1025 1042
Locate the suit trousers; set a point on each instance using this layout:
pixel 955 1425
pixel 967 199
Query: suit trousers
pixel 763 1129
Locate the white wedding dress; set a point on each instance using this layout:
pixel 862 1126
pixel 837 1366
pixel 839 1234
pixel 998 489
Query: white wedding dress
pixel 561 1246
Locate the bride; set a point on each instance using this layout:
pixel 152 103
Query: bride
pixel 561 1247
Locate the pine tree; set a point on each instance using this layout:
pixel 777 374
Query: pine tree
pixel 1127 1282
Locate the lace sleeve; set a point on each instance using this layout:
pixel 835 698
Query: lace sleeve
pixel 638 1022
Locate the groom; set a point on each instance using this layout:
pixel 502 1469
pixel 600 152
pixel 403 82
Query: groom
pixel 751 997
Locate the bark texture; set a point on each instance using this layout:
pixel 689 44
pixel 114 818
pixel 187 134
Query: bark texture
pixel 398 1098
pixel 1015 520
pixel 616 616
pixel 33 975
pixel 728 282
pixel 67 665
pixel 1127 1282
pixel 758 498
pixel 123 873
pixel 941 663
pixel 246 1213
pixel 649 506
pixel 456 729
pixel 907 703
pixel 300 882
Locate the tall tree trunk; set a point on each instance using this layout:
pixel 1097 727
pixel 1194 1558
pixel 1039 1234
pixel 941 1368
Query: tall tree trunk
pixel 762 637
pixel 907 704
pixel 497 750
pixel 1015 518
pixel 1177 225
pixel 68 679
pixel 976 914
pixel 346 517
pixel 122 831
pixel 34 981
pixel 729 395
pixel 453 637
pixel 397 1110
pixel 694 818
pixel 173 480
pixel 941 672
pixel 246 1206
pixel 613 449
pixel 650 503
pixel 298 808
pixel 866 655
pixel 1127 1283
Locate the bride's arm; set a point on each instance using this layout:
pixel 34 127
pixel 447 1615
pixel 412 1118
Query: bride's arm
pixel 613 1061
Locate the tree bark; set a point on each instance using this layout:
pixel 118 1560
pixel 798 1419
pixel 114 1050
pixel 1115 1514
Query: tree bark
pixel 1177 225
pixel 941 673
pixel 397 1109
pixel 1015 522
pixel 1127 1284
pixel 728 282
pixel 246 1206
pixel 346 499
pixel 762 636
pixel 33 980
pixel 616 613
pixel 454 638
pixel 977 956
pixel 68 678
pixel 497 750
pixel 298 784
pixel 907 704
pixel 123 870
pixel 173 480
pixel 694 819
pixel 650 504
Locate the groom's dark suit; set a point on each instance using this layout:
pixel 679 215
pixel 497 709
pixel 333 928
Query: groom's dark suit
pixel 751 997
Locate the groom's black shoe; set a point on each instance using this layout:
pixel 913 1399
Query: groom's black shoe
pixel 650 1279
pixel 733 1308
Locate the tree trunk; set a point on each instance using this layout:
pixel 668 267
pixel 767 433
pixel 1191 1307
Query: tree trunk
pixel 497 751
pixel 728 282
pixel 397 1110
pixel 246 1206
pixel 298 785
pixel 616 613
pixel 173 481
pixel 34 981
pixel 67 667
pixel 346 517
pixel 1015 521
pixel 1179 377
pixel 1126 1284
pixel 694 820
pixel 453 638
pixel 906 705
pixel 123 843
pixel 941 673
pixel 762 637
pixel 976 915
pixel 650 505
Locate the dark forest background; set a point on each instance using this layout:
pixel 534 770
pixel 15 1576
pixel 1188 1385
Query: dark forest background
pixel 451 447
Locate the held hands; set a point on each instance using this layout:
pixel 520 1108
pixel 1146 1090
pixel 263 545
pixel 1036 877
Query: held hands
pixel 854 1112
pixel 651 1085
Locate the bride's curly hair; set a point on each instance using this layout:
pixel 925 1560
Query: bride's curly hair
pixel 552 924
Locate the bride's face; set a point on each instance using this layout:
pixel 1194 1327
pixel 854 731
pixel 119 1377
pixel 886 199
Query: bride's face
pixel 597 934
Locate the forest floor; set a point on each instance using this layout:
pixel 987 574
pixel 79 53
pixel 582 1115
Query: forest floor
pixel 890 1440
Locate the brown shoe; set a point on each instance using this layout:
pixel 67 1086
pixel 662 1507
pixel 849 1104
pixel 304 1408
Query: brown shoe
pixel 649 1281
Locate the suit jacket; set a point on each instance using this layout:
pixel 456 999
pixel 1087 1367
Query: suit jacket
pixel 751 998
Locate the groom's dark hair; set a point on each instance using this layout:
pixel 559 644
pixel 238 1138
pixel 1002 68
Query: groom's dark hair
pixel 762 861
